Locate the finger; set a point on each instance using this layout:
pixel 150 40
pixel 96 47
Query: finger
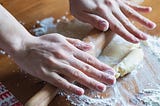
pixel 56 80
pixel 82 78
pixel 117 27
pixel 138 17
pixel 129 26
pixel 139 8
pixel 93 72
pixel 93 61
pixel 79 44
pixel 95 20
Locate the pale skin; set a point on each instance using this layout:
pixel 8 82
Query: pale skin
pixel 58 59
pixel 113 14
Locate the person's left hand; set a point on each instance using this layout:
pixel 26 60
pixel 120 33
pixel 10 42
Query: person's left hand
pixel 115 14
pixel 57 60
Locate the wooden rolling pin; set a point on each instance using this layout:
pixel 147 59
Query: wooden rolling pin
pixel 46 94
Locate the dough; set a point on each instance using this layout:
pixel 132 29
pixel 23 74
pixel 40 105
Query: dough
pixel 122 56
pixel 118 48
pixel 130 62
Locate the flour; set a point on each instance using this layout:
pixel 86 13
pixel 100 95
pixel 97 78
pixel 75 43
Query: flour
pixel 93 98
pixel 2 52
pixel 149 97
pixel 153 44
pixel 46 26
pixel 146 97
pixel 85 100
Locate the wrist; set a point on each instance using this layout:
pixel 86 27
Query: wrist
pixel 13 36
pixel 19 44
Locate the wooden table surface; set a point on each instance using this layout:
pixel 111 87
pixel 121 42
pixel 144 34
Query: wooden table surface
pixel 22 85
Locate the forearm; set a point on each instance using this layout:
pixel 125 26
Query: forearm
pixel 12 33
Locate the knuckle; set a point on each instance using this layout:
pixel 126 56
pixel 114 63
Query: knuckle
pixel 90 59
pixel 131 13
pixel 100 9
pixel 69 87
pixel 117 27
pixel 76 74
pixel 100 76
pixel 109 3
pixel 67 69
pixel 128 23
pixel 60 84
pixel 106 78
pixel 92 84
pixel 65 47
pixel 86 68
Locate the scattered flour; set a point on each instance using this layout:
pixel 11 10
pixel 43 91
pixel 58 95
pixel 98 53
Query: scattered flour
pixel 2 52
pixel 148 97
pixel 153 44
pixel 85 100
pixel 46 26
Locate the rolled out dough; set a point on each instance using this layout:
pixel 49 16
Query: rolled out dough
pixel 130 62
pixel 122 56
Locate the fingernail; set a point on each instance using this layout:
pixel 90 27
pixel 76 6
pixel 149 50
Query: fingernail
pixel 135 40
pixel 143 36
pixel 87 47
pixel 79 92
pixel 111 72
pixel 103 25
pixel 101 87
pixel 151 25
pixel 149 9
pixel 111 80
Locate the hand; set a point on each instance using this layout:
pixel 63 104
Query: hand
pixel 55 59
pixel 103 14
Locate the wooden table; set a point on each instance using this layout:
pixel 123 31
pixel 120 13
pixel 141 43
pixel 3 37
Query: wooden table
pixel 23 86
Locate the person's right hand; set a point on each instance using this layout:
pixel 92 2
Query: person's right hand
pixel 113 14
pixel 55 59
